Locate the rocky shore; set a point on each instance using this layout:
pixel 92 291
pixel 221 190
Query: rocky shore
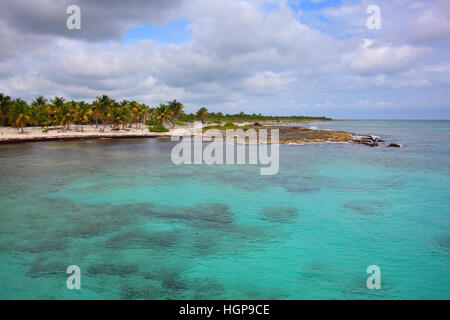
pixel 300 135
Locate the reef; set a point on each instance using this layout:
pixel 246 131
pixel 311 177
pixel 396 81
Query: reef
pixel 279 214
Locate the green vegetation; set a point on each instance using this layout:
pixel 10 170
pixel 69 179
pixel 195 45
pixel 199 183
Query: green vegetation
pixel 180 123
pixel 232 126
pixel 103 111
pixel 5 105
pixel 228 125
pixel 118 115
pixel 202 114
pixel 219 117
pixel 158 128
pixel 19 115
pixel 155 126
pixel 152 122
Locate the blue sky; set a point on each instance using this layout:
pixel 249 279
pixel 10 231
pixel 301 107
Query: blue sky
pixel 176 32
pixel 309 57
pixel 313 5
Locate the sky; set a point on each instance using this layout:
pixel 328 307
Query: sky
pixel 278 57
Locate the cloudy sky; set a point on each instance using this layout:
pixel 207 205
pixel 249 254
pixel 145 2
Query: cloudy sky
pixel 311 57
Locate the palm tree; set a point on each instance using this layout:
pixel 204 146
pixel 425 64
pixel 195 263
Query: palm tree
pixel 141 112
pixel 95 110
pixel 57 104
pixel 145 112
pixel 125 114
pixel 114 115
pixel 57 101
pixel 5 105
pixel 63 111
pixel 38 101
pixel 176 110
pixel 39 115
pixel 82 113
pixel 202 114
pixel 120 114
pixel 102 105
pixel 162 113
pixel 72 112
pixel 19 114
pixel 135 113
pixel 129 112
pixel 40 112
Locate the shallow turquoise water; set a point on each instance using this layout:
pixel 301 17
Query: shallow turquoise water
pixel 140 227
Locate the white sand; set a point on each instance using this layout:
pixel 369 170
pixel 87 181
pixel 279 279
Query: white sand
pixel 35 133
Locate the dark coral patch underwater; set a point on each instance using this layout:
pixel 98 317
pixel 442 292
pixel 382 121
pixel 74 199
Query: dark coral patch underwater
pixel 279 214
pixel 365 207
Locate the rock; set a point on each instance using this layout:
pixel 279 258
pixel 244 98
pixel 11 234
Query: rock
pixel 369 141
pixel 371 144
pixel 394 145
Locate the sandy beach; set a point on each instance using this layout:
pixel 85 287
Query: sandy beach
pixel 12 135
pixel 31 134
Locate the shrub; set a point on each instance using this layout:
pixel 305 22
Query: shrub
pixel 158 128
pixel 229 125
pixel 152 122
pixel 180 123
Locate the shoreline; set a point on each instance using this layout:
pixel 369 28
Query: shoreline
pixel 288 134
pixel 80 138
pixel 10 135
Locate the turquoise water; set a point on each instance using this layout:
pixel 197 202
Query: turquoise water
pixel 140 227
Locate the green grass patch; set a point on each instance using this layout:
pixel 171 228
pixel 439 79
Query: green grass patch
pixel 158 128
pixel 180 123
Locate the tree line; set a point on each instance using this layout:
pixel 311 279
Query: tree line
pixel 104 111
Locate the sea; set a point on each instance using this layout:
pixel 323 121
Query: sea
pixel 138 226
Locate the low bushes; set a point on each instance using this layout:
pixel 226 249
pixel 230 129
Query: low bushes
pixel 157 127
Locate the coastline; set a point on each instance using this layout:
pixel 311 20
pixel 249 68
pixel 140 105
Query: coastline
pixel 292 134
pixel 10 135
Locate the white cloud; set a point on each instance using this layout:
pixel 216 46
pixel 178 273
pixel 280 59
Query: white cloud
pixel 268 83
pixel 240 56
pixel 433 24
pixel 370 58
